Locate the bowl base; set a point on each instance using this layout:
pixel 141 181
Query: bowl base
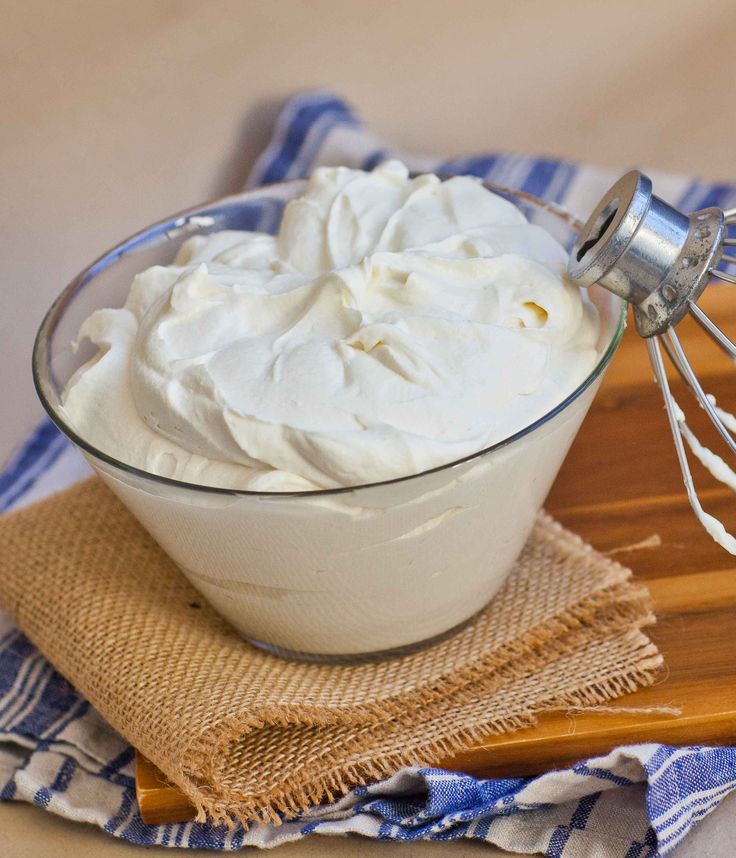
pixel 361 657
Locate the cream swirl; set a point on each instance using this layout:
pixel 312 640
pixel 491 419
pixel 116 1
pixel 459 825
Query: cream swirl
pixel 394 324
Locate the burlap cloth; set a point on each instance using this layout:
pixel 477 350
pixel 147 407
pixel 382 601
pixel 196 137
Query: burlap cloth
pixel 249 736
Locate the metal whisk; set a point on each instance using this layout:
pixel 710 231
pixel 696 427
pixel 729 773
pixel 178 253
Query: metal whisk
pixel 660 261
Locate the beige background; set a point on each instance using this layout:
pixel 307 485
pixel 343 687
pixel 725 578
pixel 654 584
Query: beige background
pixel 117 112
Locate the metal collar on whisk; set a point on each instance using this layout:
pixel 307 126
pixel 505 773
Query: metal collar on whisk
pixel 660 261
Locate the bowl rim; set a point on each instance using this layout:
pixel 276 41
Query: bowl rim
pixel 178 222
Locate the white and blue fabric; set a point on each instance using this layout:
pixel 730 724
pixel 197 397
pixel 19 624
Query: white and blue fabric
pixel 56 752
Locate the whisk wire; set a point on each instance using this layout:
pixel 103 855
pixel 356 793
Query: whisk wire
pixel 655 358
pixel 676 354
pixel 710 327
pixel 723 275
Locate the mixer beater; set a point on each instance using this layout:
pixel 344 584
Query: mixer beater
pixel 660 261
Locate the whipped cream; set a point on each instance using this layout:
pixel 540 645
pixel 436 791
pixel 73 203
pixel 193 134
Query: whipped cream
pixel 392 325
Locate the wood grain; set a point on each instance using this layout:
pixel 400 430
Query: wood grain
pixel 619 486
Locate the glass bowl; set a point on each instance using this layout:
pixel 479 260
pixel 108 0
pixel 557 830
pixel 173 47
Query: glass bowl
pixel 339 574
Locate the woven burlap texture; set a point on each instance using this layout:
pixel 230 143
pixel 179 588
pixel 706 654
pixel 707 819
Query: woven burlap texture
pixel 248 736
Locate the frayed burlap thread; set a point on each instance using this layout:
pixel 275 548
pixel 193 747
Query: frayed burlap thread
pixel 248 736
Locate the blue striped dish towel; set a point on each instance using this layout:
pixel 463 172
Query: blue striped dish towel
pixel 57 753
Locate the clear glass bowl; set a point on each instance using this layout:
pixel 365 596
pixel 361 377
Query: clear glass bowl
pixel 339 574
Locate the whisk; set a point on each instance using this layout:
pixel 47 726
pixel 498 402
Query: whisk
pixel 660 261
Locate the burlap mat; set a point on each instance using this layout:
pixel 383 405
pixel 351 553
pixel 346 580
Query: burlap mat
pixel 249 736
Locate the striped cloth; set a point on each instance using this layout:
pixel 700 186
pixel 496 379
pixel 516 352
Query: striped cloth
pixel 58 753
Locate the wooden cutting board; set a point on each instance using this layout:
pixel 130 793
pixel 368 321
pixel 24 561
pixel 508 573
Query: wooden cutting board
pixel 619 487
